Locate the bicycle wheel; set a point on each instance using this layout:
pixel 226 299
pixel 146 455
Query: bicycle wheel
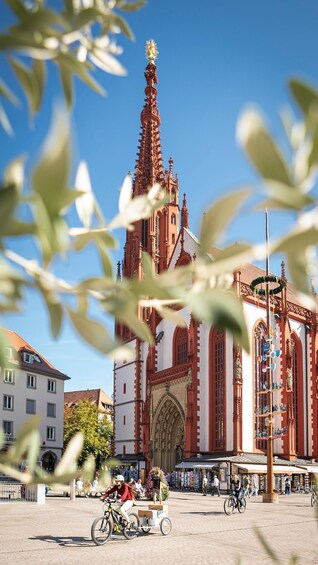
pixel 146 529
pixel 229 505
pixel 101 529
pixel 242 507
pixel 131 531
pixel 165 526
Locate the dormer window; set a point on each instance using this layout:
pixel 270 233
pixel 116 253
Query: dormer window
pixel 27 357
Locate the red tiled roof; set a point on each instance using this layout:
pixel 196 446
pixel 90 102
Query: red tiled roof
pixel 94 396
pixel 16 342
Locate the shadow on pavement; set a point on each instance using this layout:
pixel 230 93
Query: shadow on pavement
pixel 75 541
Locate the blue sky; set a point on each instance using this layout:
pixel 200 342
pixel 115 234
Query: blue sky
pixel 215 57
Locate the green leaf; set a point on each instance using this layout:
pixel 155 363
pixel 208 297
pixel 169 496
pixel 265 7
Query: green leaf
pixel 132 6
pixel 67 83
pixel 18 8
pixel 261 149
pixel 285 197
pixel 299 271
pixel 68 463
pixel 107 263
pixel 55 310
pixel 92 332
pixel 78 68
pixel 305 95
pixel 270 552
pixel 297 241
pixel 14 173
pixel 5 122
pixel 8 94
pixel 31 80
pixel 125 28
pixel 218 217
pixel 8 203
pixel 50 176
pixel 222 309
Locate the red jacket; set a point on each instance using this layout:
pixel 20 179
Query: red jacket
pixel 123 492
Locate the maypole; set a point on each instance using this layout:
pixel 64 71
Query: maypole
pixel 267 353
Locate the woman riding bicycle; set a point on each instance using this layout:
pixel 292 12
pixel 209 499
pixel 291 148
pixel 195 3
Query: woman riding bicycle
pixel 236 487
pixel 123 493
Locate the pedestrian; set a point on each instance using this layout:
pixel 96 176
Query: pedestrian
pixel 216 485
pixel 156 487
pixel 247 486
pixel 204 485
pixel 287 486
pixel 255 485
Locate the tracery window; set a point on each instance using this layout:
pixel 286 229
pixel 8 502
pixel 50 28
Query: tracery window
pixel 297 393
pixel 180 346
pixel 260 384
pixel 217 389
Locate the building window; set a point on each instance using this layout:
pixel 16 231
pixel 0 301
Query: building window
pixel 124 388
pixel 51 386
pixel 124 420
pixel 173 219
pixel 260 384
pixel 8 376
pixel 7 402
pixel 297 392
pixel 124 450
pixel 30 406
pixel 50 433
pixel 51 410
pixel 31 381
pixel 173 239
pixel 27 357
pixel 8 428
pixel 180 346
pixel 217 389
pixel 144 233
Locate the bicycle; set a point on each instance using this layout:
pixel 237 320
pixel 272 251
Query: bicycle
pixel 113 521
pixel 314 499
pixel 231 503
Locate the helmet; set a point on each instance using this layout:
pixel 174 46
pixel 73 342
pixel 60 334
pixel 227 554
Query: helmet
pixel 119 478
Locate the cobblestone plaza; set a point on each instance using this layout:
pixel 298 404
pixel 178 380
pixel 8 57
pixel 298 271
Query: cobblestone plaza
pixel 59 532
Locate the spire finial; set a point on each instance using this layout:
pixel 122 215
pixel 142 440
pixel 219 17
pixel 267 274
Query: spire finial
pixel 151 51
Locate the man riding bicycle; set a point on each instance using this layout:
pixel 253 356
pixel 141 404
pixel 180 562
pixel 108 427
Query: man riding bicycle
pixel 123 494
pixel 236 487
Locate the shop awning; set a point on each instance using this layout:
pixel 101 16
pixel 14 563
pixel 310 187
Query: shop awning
pixel 277 469
pixel 311 468
pixel 194 465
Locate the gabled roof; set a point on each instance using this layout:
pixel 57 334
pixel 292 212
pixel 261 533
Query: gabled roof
pixel 93 396
pixel 39 365
pixel 248 271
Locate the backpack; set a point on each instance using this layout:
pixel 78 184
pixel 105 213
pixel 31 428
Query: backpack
pixel 131 491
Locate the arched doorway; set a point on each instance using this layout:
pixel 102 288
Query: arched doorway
pixel 168 435
pixel 49 460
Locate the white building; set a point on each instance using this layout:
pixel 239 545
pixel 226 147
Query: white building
pixel 30 385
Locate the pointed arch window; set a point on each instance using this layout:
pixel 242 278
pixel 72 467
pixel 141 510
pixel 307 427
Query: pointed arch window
pixel 260 383
pixel 144 233
pixel 158 218
pixel 173 219
pixel 297 392
pixel 217 390
pixel 180 349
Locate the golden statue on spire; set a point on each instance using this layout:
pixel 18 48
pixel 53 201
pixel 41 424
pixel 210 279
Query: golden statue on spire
pixel 151 51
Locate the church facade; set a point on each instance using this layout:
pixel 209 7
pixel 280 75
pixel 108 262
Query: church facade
pixel 195 393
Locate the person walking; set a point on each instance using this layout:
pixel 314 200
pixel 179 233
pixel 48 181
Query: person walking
pixel 156 487
pixel 204 485
pixel 216 486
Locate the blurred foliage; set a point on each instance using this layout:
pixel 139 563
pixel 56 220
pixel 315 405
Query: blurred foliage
pixel 97 431
pixel 78 39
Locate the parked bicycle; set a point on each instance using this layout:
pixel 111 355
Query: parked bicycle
pixel 231 503
pixel 314 499
pixel 113 521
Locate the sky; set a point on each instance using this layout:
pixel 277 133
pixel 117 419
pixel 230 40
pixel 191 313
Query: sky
pixel 215 58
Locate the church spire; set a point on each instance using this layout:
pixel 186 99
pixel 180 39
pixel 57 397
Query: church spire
pixel 184 213
pixel 149 165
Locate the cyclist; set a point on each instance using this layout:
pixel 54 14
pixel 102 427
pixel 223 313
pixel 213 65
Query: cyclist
pixel 236 486
pixel 124 495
